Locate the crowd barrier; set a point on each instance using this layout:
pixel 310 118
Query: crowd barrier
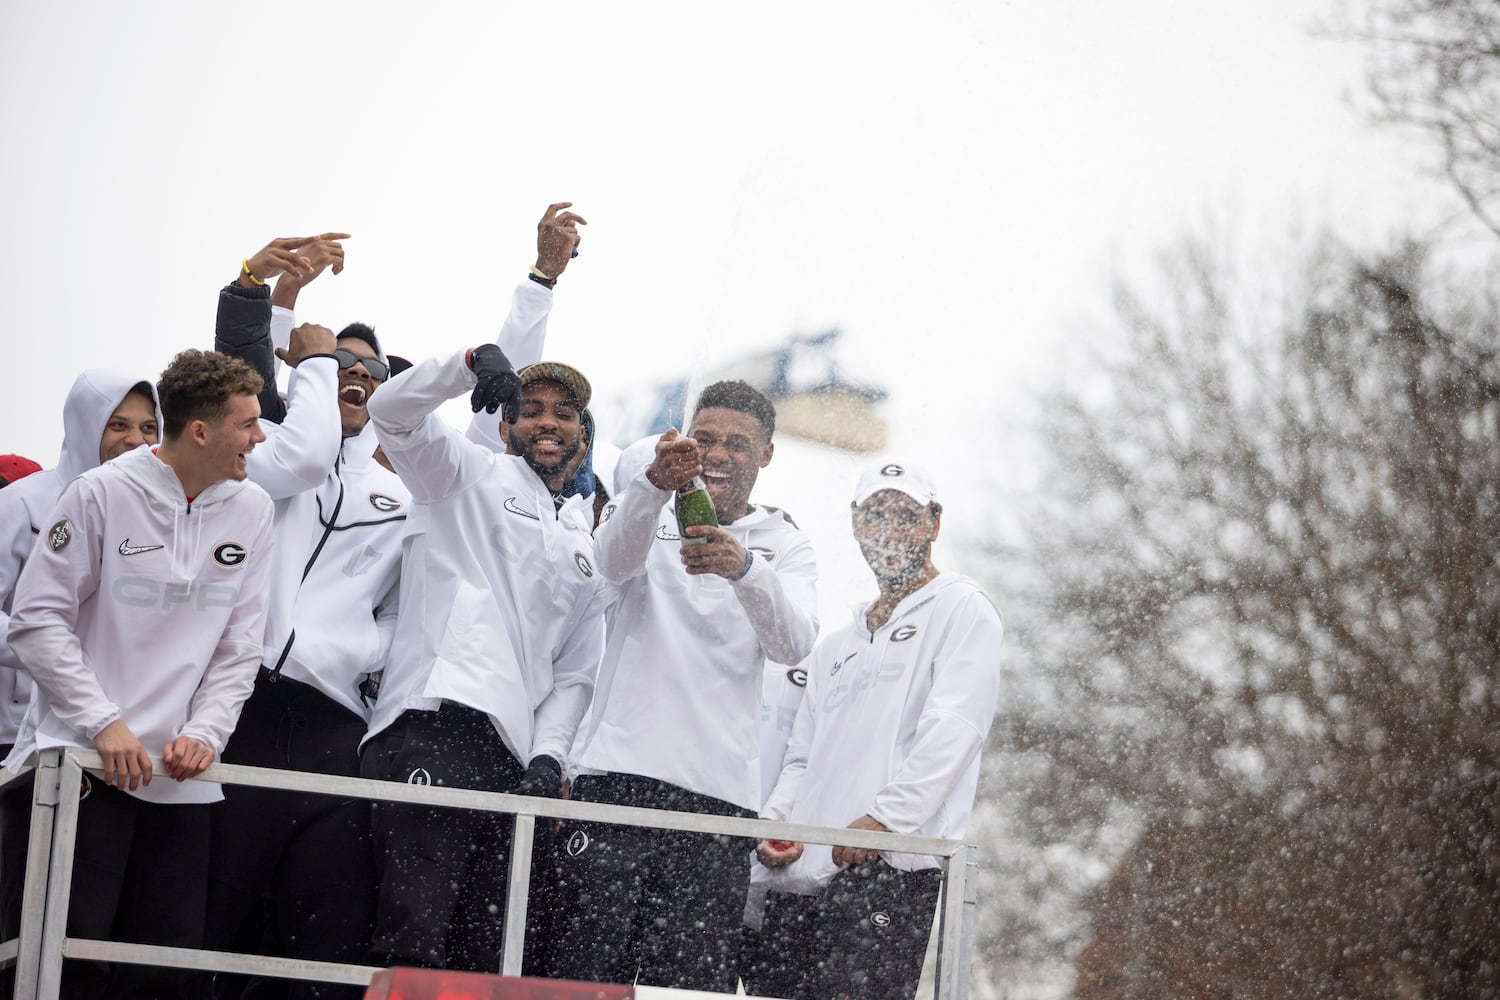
pixel 38 952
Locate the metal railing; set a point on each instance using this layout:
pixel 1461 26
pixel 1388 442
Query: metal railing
pixel 42 944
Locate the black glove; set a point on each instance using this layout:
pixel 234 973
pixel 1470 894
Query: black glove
pixel 499 385
pixel 543 778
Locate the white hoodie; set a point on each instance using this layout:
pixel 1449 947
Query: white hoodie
pixel 679 688
pixel 501 607
pixel 138 605
pixel 24 507
pixel 891 726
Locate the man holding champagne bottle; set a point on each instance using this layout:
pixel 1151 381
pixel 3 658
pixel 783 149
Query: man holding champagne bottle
pixel 699 607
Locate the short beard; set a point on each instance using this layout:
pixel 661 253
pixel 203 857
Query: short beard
pixel 569 453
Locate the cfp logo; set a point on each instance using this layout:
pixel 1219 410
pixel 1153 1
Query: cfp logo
pixel 419 776
pixel 144 592
pixel 578 843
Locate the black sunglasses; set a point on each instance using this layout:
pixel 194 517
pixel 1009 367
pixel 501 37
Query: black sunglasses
pixel 379 370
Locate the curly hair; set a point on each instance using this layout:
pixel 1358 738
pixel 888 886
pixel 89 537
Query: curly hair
pixel 734 394
pixel 198 385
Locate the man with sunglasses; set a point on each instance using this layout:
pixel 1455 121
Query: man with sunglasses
pixel 335 579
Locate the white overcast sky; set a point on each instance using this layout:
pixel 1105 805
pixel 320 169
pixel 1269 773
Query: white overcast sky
pixel 951 183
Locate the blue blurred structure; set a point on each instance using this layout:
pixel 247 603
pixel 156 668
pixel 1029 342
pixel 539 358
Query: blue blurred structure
pixel 814 398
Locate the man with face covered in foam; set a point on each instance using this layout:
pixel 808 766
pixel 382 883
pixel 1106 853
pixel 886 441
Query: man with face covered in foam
pixel 898 704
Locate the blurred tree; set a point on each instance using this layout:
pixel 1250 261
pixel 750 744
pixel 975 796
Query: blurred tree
pixel 1435 65
pixel 1260 628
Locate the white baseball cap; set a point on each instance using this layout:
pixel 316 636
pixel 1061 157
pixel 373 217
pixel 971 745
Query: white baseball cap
pixel 894 474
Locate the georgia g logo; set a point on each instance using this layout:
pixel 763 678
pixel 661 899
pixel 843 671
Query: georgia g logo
pixel 903 633
pixel 880 918
pixel 383 503
pixel 583 565
pixel 230 554
pixel 893 470
pixel 797 676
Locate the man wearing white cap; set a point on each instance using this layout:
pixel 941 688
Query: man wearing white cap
pixel 898 705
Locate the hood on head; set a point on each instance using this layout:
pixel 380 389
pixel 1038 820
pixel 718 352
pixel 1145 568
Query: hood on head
pixel 93 397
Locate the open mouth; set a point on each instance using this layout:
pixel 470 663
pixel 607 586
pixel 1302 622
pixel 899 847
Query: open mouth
pixel 353 394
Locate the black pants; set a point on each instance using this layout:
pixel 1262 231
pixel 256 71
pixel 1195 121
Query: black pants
pixel 865 936
pixel 311 856
pixel 659 907
pixel 140 874
pixel 443 872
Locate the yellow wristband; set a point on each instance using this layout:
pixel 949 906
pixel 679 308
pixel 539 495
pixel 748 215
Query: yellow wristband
pixel 541 274
pixel 245 266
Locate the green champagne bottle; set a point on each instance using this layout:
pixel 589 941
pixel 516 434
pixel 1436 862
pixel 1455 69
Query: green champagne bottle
pixel 694 506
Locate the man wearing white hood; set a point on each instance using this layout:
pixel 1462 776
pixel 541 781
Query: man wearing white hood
pixel 107 413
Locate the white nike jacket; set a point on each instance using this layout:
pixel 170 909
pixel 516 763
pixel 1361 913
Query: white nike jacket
pixel 678 697
pixel 891 725
pixel 339 521
pixel 25 506
pixel 138 605
pixel 501 607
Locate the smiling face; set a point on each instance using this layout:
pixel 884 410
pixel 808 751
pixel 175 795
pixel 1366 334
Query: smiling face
pixel 356 386
pixel 733 448
pixel 548 432
pixel 132 424
pixel 228 441
pixel 895 535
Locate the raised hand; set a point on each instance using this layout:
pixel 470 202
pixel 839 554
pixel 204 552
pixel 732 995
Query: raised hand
pixel 499 385
pixel 676 463
pixel 275 258
pixel 557 237
pixel 307 340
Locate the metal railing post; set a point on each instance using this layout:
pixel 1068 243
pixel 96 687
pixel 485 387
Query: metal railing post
pixel 516 892
pixel 44 796
pixel 60 878
pixel 949 985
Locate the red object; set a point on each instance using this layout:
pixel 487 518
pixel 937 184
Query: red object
pixel 440 984
pixel 780 845
pixel 13 467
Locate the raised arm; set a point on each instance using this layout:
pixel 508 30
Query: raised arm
pixel 434 460
pixel 524 333
pixel 243 326
pixel 627 527
pixel 299 454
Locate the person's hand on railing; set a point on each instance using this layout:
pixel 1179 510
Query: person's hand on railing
pixel 778 853
pixel 186 758
pixel 859 855
pixel 127 766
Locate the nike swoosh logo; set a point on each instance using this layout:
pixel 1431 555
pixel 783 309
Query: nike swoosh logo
pixel 665 535
pixel 515 508
pixel 126 549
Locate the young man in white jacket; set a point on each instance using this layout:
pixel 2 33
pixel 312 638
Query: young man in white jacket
pixel 139 616
pixel 496 647
pixel 897 707
pixel 675 722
